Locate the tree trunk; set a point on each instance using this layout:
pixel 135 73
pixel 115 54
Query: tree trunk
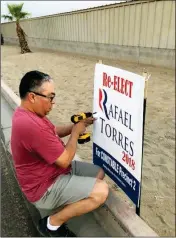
pixel 22 39
pixel 2 40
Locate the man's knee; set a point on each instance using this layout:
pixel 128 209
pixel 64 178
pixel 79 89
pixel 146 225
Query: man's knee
pixel 100 191
pixel 101 174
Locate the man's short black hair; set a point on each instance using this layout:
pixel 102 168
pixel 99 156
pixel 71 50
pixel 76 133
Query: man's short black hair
pixel 31 81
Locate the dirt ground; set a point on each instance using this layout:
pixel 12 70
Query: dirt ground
pixel 74 78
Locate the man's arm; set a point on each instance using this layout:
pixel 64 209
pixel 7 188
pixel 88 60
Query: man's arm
pixel 70 149
pixel 65 130
pixel 68 154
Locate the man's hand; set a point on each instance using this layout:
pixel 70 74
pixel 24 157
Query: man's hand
pixel 89 121
pixel 80 127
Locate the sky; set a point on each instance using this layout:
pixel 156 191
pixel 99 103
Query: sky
pixel 43 8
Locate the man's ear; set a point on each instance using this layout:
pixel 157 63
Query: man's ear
pixel 31 97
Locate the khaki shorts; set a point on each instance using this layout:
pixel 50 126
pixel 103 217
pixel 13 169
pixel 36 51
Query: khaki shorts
pixel 69 188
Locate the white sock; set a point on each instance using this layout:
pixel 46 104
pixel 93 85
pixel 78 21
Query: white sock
pixel 50 227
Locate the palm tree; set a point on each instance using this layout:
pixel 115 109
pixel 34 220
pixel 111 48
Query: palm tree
pixel 16 13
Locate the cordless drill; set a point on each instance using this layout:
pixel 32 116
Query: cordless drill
pixel 85 137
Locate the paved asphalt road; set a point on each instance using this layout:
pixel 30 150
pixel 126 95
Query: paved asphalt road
pixel 15 218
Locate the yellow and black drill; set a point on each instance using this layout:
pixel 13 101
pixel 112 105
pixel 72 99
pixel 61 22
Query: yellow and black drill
pixel 85 137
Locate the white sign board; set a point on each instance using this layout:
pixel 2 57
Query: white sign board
pixel 118 130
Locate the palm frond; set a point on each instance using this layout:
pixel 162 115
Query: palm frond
pixel 23 15
pixel 7 17
pixel 16 11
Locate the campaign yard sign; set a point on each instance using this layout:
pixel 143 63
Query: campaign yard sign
pixel 118 130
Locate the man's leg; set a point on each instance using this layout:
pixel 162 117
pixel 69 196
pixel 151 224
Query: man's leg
pixel 101 174
pixel 96 198
pixel 74 194
pixel 81 168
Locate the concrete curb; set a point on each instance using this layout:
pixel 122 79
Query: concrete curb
pixel 117 216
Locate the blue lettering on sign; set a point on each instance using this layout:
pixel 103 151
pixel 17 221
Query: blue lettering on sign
pixel 117 172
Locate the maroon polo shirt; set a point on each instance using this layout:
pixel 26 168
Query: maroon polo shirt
pixel 35 147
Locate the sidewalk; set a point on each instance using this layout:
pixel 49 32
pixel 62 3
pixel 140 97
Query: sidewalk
pixel 15 218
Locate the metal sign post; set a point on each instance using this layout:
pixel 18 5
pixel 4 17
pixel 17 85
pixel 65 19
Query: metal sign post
pixel 146 76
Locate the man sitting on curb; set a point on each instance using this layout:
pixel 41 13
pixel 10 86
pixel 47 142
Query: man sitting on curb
pixel 44 165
